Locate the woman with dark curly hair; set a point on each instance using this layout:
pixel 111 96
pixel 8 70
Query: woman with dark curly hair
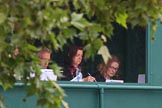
pixel 72 70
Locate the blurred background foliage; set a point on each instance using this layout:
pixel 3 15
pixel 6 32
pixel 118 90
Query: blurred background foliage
pixel 54 23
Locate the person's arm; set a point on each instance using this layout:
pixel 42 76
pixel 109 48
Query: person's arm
pixel 99 77
pixel 89 79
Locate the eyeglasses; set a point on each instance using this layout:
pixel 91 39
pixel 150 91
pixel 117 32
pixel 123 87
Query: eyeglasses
pixel 113 68
pixel 45 60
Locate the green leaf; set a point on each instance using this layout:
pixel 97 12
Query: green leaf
pixel 92 48
pixel 32 47
pixel 104 52
pixel 76 17
pixel 121 18
pixel 78 21
pixel 2 105
pixel 2 17
pixel 54 41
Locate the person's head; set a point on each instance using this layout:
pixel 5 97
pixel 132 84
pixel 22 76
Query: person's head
pixel 44 57
pixel 75 55
pixel 16 52
pixel 110 69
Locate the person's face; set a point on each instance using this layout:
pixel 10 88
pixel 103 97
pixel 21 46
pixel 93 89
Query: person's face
pixel 44 59
pixel 112 69
pixel 77 58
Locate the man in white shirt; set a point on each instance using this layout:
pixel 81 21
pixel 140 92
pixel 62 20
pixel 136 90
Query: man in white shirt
pixel 44 59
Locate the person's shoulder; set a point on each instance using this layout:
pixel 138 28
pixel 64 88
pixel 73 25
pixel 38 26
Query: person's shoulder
pixel 65 69
pixel 99 77
pixel 96 74
pixel 66 75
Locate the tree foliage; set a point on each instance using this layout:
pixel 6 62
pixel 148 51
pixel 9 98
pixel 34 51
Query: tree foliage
pixel 53 23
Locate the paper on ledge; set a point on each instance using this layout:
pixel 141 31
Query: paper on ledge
pixel 115 81
pixel 78 77
pixel 48 74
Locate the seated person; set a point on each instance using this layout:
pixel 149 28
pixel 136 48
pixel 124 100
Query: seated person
pixel 44 58
pixel 109 71
pixel 72 70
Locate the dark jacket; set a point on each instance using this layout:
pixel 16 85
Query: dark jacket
pixel 69 72
pixel 99 77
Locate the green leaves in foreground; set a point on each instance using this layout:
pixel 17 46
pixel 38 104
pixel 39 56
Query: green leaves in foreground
pixel 53 23
pixel 2 103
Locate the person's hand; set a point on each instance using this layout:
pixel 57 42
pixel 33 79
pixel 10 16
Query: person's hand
pixel 89 79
